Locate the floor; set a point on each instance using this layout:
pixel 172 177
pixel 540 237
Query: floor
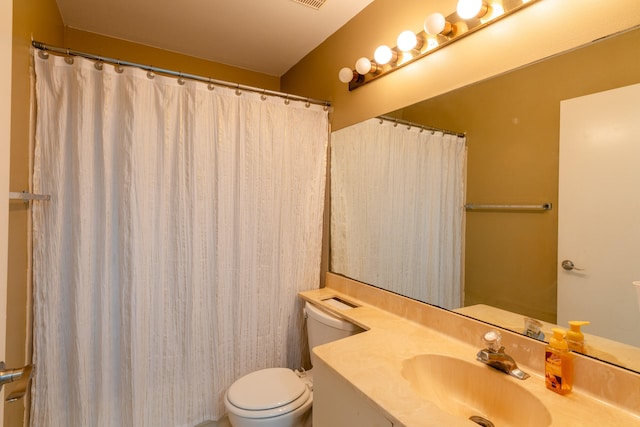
pixel 224 422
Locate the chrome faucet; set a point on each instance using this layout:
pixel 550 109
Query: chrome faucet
pixel 494 356
pixel 21 375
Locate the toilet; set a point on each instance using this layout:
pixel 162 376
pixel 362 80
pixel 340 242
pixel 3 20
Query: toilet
pixel 281 397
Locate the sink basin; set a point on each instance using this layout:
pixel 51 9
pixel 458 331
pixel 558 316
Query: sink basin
pixel 466 390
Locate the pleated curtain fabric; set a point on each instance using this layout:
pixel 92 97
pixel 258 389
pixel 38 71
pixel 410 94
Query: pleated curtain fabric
pixel 397 209
pixel 183 222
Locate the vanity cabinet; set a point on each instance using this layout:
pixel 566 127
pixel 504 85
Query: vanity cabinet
pixel 336 403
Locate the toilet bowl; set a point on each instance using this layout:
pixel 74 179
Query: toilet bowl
pixel 281 397
pixel 274 397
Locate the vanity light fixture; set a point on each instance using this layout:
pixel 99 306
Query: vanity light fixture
pixel 469 9
pixel 346 74
pixel 436 24
pixel 384 55
pixel 408 41
pixel 364 66
pixel 439 31
pixel 495 10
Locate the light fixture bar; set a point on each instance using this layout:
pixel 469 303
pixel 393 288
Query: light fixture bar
pixel 458 28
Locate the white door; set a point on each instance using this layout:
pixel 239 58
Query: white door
pixel 599 212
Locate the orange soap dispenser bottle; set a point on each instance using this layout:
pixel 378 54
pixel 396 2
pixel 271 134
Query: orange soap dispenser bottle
pixel 558 364
pixel 575 337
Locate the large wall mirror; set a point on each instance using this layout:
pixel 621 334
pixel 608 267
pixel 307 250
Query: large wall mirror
pixel 512 126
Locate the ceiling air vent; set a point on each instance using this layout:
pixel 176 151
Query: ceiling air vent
pixel 316 4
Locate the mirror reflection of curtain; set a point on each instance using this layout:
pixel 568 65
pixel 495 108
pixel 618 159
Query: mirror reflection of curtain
pixel 397 209
pixel 183 221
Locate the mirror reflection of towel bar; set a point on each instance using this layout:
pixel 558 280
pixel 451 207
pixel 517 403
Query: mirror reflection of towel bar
pixel 542 207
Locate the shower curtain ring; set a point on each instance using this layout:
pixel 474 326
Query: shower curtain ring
pixel 210 85
pixel 181 80
pixel 286 99
pixel 68 59
pixel 264 96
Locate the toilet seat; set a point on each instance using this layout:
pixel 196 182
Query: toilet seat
pixel 267 393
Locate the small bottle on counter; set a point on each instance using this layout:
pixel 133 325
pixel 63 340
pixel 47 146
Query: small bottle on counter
pixel 558 364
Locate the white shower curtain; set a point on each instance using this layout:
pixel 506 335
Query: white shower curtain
pixel 397 214
pixel 182 223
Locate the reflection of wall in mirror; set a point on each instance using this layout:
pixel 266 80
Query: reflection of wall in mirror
pixel 512 126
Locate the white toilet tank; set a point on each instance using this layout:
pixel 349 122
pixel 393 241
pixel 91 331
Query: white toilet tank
pixel 323 327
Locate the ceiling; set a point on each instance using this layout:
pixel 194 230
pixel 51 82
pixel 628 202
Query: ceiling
pixel 267 36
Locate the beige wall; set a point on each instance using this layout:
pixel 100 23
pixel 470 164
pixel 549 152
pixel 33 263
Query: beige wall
pixel 119 49
pixel 542 29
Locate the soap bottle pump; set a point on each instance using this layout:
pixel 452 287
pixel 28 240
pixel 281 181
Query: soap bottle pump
pixel 558 364
pixel 575 337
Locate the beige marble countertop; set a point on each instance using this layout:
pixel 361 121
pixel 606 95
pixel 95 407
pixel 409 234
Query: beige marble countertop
pixel 372 362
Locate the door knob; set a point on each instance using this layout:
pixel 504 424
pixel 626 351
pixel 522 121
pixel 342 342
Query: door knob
pixel 569 265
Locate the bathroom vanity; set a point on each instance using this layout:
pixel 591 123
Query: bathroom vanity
pixel 338 403
pixel 415 365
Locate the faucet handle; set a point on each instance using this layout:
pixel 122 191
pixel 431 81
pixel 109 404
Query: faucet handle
pixel 492 340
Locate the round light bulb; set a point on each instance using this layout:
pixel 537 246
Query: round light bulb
pixel 496 10
pixel 407 40
pixel 363 65
pixel 383 54
pixel 434 23
pixel 345 75
pixel 468 9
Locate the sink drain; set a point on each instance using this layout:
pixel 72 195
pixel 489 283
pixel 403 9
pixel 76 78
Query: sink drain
pixel 481 421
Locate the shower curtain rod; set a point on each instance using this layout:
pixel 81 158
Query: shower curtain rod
pixel 238 87
pixel 416 125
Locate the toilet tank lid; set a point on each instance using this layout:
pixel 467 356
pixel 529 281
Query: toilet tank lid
pixel 328 318
pixel 266 389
